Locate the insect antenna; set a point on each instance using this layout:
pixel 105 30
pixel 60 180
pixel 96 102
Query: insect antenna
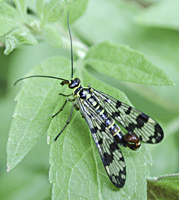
pixel 41 76
pixel 53 77
pixel 70 44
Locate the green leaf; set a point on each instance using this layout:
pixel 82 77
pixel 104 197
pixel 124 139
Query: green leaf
pixel 165 187
pixel 26 183
pixel 51 11
pixel 33 113
pixel 53 36
pixel 9 18
pixel 125 64
pixel 76 169
pixel 162 14
pixel 7 10
pixel 76 10
pixel 7 24
pixel 39 7
pixel 21 7
pixel 18 37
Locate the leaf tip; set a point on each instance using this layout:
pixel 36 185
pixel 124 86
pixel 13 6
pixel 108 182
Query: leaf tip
pixel 48 139
pixel 172 83
pixel 8 168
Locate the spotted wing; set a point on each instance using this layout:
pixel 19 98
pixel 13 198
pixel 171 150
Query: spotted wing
pixel 146 128
pixel 109 151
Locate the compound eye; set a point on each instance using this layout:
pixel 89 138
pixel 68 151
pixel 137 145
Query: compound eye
pixel 74 83
pixel 77 80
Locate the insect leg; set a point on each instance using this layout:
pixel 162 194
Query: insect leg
pixel 70 100
pixel 66 95
pixel 69 118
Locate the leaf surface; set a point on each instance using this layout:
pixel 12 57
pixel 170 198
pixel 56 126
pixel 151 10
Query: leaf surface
pixel 18 37
pixel 125 64
pixel 33 113
pixel 21 7
pixel 8 10
pixel 76 10
pixel 9 18
pixel 53 36
pixel 163 14
pixel 51 11
pixel 165 187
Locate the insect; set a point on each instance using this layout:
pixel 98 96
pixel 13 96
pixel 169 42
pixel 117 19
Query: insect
pixel 103 115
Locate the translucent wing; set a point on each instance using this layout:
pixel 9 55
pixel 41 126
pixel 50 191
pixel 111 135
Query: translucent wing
pixel 109 151
pixel 146 128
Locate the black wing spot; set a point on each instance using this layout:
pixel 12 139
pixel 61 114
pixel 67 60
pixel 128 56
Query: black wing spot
pixel 144 117
pixel 103 127
pixel 118 104
pixel 109 158
pixel 141 120
pixel 113 146
pixel 158 128
pixel 128 111
pixel 114 114
pixel 93 130
pixel 159 133
pixel 131 127
pixel 120 182
pixel 100 141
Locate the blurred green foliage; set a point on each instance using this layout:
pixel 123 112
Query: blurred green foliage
pixel 149 26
